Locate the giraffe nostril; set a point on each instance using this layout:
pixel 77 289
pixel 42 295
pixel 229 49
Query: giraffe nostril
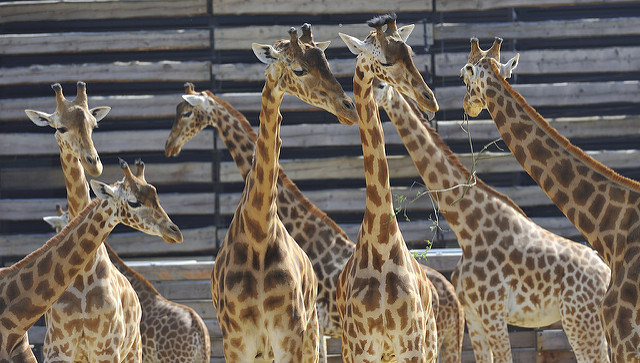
pixel 174 228
pixel 427 95
pixel 91 160
pixel 348 104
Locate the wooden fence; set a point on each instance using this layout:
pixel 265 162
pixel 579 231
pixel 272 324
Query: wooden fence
pixel 579 67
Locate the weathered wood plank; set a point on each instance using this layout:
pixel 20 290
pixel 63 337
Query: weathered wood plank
pixel 459 5
pixel 137 71
pixel 237 7
pixel 173 203
pixel 196 240
pixel 60 10
pixel 234 38
pixel 254 72
pixel 552 340
pixel 555 94
pixel 553 61
pixel 582 28
pixel 79 42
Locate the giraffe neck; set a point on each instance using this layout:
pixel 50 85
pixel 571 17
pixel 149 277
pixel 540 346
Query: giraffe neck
pixel 32 285
pixel 259 196
pixel 379 220
pixel 236 133
pixel 594 198
pixel 439 167
pixel 144 289
pixel 75 182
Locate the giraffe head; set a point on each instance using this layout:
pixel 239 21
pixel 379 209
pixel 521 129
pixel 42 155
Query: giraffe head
pixel 74 123
pixel 390 58
pixel 58 221
pixel 196 111
pixel 476 71
pixel 136 204
pixel 300 68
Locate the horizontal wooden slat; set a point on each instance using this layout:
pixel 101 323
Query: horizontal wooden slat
pixel 254 72
pixel 553 339
pixel 79 42
pixel 173 203
pixel 164 71
pixel 61 10
pixel 196 241
pixel 555 94
pixel 459 5
pixel 554 61
pixel 237 7
pixel 234 38
pixel 582 28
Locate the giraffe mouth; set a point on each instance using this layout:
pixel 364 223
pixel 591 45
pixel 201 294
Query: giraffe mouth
pixel 172 234
pixel 171 149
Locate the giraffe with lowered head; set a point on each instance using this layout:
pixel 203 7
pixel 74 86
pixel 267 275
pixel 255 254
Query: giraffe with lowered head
pixel 98 316
pixel 384 297
pixel 602 204
pixel 512 271
pixel 263 284
pixel 32 285
pixel 170 332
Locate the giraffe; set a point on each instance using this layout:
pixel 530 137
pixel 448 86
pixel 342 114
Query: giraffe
pixel 384 297
pixel 100 292
pixel 170 332
pixel 32 285
pixel 512 271
pixel 325 243
pixel 602 204
pixel 263 285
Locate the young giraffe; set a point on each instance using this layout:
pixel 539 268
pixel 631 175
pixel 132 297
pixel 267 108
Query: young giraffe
pixel 100 292
pixel 512 271
pixel 384 297
pixel 31 286
pixel 325 243
pixel 602 204
pixel 263 285
pixel 170 332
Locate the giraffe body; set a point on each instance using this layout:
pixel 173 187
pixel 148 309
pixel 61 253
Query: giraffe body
pixel 324 242
pixel 581 191
pixel 384 296
pixel 31 286
pixel 98 317
pixel 170 332
pixel 263 285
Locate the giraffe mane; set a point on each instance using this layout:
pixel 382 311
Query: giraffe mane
pixel 563 141
pixel 52 241
pixel 456 161
pixel 235 113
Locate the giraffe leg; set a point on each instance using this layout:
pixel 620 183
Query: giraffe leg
pixel 323 349
pixel 479 341
pixel 135 353
pixel 498 334
pixel 312 339
pixel 585 334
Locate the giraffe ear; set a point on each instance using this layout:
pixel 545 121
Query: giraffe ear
pixel 265 53
pixel 355 45
pixel 468 72
pixel 507 68
pixel 195 100
pixel 103 190
pixel 40 118
pixel 405 31
pixel 323 45
pixel 100 112
pixel 56 222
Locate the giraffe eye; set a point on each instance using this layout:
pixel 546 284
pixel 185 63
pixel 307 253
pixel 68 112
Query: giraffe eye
pixel 62 129
pixel 299 72
pixel 134 204
pixel 386 64
pixel 187 114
